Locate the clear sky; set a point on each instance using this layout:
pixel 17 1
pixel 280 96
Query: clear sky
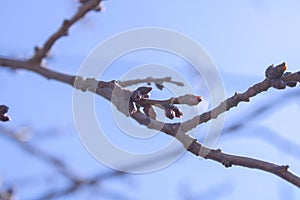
pixel 241 37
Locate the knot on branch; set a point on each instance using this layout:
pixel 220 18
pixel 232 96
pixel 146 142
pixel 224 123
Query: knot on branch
pixel 275 74
pixel 66 25
pixel 283 169
pixel 222 158
pixel 3 113
pixel 241 97
pixel 226 163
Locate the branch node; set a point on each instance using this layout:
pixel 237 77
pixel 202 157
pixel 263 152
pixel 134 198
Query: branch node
pixel 66 22
pixel 36 49
pixel 241 97
pixel 103 84
pixel 226 163
pixel 284 168
pixel 219 150
pixel 278 84
pixel 85 84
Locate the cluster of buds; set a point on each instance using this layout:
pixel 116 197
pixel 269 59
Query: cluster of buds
pixel 275 73
pixel 3 111
pixel 172 111
pixel 142 93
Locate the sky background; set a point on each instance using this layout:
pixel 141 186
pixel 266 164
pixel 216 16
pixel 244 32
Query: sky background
pixel 241 37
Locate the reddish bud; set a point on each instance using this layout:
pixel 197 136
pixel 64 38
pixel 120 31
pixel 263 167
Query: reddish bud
pixel 189 99
pixel 275 72
pixel 199 98
pixel 170 113
pixel 178 113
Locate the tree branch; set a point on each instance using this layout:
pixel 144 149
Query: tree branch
pixel 179 130
pixel 55 162
pixel 274 78
pixel 75 186
pixel 41 53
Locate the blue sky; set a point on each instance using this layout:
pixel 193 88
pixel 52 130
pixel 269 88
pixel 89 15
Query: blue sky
pixel 241 37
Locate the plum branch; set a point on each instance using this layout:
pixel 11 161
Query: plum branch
pixel 276 77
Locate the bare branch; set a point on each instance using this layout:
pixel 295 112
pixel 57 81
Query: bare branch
pixel 274 78
pixel 179 130
pixel 15 64
pixel 41 53
pixel 7 194
pixel 55 162
pixel 75 186
pixel 100 177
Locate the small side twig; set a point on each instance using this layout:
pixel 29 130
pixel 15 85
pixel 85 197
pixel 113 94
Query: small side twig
pixel 150 80
pixel 76 186
pixel 42 52
pixel 53 161
pixel 284 79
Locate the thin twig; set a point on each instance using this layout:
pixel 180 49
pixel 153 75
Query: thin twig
pixel 98 178
pixel 55 162
pixel 188 99
pixel 75 186
pixel 150 80
pixel 41 53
